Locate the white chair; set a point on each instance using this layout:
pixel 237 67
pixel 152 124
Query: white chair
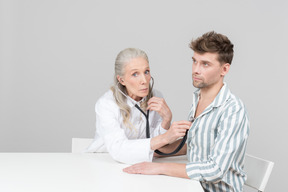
pixel 258 172
pixel 80 144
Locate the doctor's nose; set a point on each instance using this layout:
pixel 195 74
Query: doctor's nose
pixel 143 79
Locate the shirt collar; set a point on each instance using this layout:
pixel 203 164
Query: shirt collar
pixel 223 95
pixel 131 102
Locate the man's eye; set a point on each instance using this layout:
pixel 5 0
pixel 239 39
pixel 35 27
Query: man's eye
pixel 147 72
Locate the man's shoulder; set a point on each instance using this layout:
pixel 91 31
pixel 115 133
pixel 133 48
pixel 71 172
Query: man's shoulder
pixel 234 104
pixel 231 100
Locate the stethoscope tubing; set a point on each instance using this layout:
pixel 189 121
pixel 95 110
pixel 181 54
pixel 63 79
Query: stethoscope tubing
pixel 148 127
pixel 148 135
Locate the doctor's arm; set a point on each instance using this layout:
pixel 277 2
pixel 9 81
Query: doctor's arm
pixel 171 147
pixel 119 146
pixel 126 150
pixel 167 140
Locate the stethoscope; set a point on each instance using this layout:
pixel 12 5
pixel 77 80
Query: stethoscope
pixel 146 115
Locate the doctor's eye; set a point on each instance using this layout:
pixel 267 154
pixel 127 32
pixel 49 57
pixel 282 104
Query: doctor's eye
pixel 135 74
pixel 147 72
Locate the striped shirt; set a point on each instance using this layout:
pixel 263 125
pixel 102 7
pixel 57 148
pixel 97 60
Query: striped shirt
pixel 217 142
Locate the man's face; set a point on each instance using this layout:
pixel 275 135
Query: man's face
pixel 207 70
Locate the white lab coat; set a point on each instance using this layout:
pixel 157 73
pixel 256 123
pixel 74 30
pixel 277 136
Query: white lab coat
pixel 124 144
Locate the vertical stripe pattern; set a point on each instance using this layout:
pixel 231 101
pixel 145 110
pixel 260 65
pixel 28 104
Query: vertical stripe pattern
pixel 217 142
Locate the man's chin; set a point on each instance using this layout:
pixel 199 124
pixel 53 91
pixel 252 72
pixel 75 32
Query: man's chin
pixel 198 85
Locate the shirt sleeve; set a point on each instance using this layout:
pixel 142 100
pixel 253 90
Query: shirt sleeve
pixel 118 145
pixel 229 144
pixel 158 130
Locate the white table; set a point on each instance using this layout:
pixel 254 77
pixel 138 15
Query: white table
pixel 71 172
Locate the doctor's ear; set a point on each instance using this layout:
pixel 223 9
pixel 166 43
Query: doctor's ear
pixel 120 80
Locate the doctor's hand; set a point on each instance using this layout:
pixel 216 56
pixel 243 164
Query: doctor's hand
pixel 160 106
pixel 178 129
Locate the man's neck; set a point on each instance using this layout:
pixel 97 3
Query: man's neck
pixel 206 97
pixel 210 93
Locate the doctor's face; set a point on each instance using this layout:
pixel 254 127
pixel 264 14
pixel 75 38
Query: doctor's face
pixel 136 78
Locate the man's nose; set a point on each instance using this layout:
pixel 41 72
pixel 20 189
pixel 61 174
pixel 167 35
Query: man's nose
pixel 196 68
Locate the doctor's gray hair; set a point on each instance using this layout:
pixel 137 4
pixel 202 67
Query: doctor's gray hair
pixel 121 60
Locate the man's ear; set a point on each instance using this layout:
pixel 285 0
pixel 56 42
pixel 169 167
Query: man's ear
pixel 225 69
pixel 120 80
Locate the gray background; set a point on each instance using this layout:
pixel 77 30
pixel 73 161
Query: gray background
pixel 57 57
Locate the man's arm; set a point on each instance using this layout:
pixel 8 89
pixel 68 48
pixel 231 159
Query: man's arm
pixel 147 168
pixel 171 169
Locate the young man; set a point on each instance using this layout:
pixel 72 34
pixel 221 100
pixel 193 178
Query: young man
pixel 218 136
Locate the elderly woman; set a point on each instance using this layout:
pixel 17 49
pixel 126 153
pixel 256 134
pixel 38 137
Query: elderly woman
pixel 132 120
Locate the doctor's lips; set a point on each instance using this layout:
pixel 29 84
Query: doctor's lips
pixel 145 89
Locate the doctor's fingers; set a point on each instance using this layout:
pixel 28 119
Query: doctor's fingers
pixel 177 123
pixel 172 135
pixel 181 128
pixel 177 130
pixel 157 100
pixel 158 104
pixel 158 108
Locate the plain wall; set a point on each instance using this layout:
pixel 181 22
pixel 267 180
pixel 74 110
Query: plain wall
pixel 57 59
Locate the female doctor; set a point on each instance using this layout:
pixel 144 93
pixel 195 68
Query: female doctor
pixel 122 112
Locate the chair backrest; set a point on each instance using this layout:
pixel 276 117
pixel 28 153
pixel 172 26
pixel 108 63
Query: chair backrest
pixel 80 144
pixel 258 172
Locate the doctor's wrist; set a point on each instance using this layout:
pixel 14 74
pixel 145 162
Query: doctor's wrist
pixel 166 124
pixel 158 142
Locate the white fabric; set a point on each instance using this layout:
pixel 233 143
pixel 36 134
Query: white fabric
pixel 124 144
